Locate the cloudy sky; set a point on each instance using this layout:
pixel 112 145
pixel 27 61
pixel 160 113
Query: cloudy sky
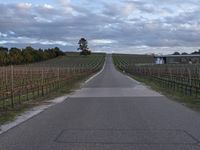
pixel 125 26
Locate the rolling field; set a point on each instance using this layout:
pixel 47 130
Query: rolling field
pixel 22 83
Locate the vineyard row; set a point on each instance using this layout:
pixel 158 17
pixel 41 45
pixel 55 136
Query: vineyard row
pixel 182 78
pixel 19 84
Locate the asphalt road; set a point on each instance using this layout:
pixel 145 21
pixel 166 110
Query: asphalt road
pixel 111 112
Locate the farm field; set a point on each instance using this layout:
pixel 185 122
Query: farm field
pixel 23 83
pixel 177 79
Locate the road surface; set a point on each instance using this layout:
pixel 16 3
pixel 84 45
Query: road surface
pixel 111 112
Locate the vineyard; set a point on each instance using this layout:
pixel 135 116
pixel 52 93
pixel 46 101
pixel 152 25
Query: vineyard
pixel 182 78
pixel 122 61
pixel 22 83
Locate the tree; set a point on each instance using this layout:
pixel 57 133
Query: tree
pixel 83 46
pixel 28 54
pixel 196 52
pixel 58 52
pixel 4 57
pixel 184 53
pixel 176 53
pixel 16 56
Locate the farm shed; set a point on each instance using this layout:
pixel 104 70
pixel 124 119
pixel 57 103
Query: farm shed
pixel 177 59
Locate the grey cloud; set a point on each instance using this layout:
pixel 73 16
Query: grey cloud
pixel 40 24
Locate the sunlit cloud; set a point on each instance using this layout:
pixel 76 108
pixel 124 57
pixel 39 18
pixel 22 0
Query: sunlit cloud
pixel 24 5
pixel 102 41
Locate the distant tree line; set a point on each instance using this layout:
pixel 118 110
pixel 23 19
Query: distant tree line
pixel 17 56
pixel 184 53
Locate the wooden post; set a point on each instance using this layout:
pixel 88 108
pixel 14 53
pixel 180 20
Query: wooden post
pixel 4 98
pixel 38 89
pixel 12 87
pixel 6 78
pixel 189 75
pixel 27 97
pixel 42 81
pixel 58 77
pixel 19 92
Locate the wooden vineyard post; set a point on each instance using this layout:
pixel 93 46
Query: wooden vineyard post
pixel 19 96
pixel 12 92
pixel 42 81
pixel 32 86
pixel 170 74
pixel 38 89
pixel 6 79
pixel 58 77
pixel 190 82
pixel 189 75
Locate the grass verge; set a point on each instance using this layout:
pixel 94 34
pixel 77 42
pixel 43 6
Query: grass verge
pixel 69 86
pixel 189 101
